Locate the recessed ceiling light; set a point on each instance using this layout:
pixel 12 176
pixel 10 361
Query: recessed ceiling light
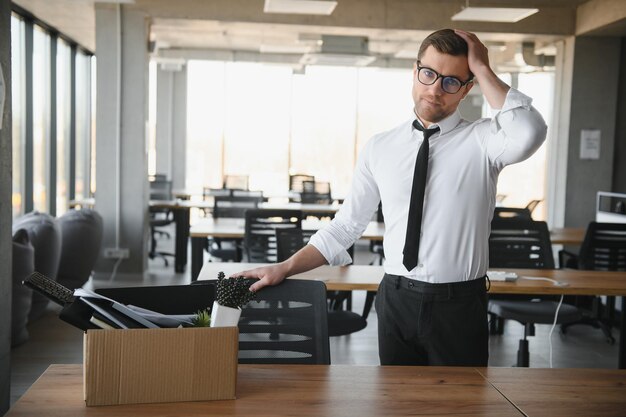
pixel 494 14
pixel 323 7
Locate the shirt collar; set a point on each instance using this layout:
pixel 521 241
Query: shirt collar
pixel 446 125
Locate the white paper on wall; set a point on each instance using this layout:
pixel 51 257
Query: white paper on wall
pixel 590 144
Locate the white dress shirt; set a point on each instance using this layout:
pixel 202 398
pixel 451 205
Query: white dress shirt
pixel 464 163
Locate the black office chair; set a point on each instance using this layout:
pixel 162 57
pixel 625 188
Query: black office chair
pixel 260 231
pixel 160 189
pixel 524 244
pixel 532 205
pixel 230 207
pixel 315 192
pixel 603 249
pixel 285 324
pixel 341 321
pixel 296 186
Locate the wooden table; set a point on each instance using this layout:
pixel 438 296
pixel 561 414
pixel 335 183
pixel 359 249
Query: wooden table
pixel 181 210
pixel 561 392
pixel 368 277
pixel 234 229
pixel 567 236
pixel 323 390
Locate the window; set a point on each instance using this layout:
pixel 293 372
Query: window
pixel 43 170
pixel 265 122
pixel 41 118
pixel 257 121
pixel 18 109
pixel 63 109
pixel 324 125
pixel 526 181
pixel 83 124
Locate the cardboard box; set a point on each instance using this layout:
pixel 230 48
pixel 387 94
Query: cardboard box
pixel 160 365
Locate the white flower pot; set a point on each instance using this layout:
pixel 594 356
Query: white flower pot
pixel 222 316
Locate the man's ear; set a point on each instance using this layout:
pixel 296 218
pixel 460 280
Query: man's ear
pixel 468 87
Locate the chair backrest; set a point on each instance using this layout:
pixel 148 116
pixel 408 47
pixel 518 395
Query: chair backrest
pixel 234 207
pixel 208 192
pixel 248 193
pixel 236 182
pixel 604 247
pixel 511 213
pixel 296 180
pixel 520 244
pixel 532 205
pixel 314 192
pixel 81 232
pixel 288 242
pixel 260 231
pixel 160 189
pixel 286 324
pixel 157 177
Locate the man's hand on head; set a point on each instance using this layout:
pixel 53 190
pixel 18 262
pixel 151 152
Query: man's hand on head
pixel 477 53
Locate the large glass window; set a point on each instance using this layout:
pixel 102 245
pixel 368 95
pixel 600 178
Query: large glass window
pixel 41 118
pixel 63 124
pixel 83 124
pixel 383 101
pixel 521 183
pixel 18 110
pixel 206 97
pixel 264 121
pixel 324 125
pixel 92 164
pixel 257 121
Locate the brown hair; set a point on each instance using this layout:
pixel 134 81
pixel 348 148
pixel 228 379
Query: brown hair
pixel 444 41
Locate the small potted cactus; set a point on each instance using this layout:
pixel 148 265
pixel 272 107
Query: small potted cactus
pixel 230 295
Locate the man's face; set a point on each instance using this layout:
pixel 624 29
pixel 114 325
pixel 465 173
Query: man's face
pixel 432 104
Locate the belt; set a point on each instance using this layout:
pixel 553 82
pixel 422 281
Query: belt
pixel 459 288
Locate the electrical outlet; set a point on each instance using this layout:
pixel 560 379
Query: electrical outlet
pixel 116 253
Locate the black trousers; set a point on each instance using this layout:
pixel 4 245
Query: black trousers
pixel 432 324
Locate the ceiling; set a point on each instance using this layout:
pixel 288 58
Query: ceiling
pixel 238 29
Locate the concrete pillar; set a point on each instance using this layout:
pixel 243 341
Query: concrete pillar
pixel 619 173
pixel 593 104
pixel 5 208
pixel 171 123
pixel 121 150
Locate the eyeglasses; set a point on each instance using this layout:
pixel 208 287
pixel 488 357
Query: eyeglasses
pixel 429 76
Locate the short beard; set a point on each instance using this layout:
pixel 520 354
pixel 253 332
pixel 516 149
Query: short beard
pixel 434 118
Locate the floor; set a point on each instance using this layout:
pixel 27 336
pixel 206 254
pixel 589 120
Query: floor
pixel 54 341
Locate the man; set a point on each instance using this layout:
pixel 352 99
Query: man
pixel 436 176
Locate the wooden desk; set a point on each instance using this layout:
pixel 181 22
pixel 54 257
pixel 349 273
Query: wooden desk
pixel 181 209
pixel 561 392
pixel 322 390
pixel 366 277
pixel 567 236
pixel 234 229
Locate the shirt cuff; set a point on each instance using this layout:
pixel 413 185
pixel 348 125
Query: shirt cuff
pixel 331 250
pixel 515 99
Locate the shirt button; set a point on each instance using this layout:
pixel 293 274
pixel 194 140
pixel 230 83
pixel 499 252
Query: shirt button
pixel 420 265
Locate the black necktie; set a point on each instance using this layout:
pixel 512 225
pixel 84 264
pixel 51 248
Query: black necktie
pixel 414 226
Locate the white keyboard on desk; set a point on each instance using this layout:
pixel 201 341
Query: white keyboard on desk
pixel 502 276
